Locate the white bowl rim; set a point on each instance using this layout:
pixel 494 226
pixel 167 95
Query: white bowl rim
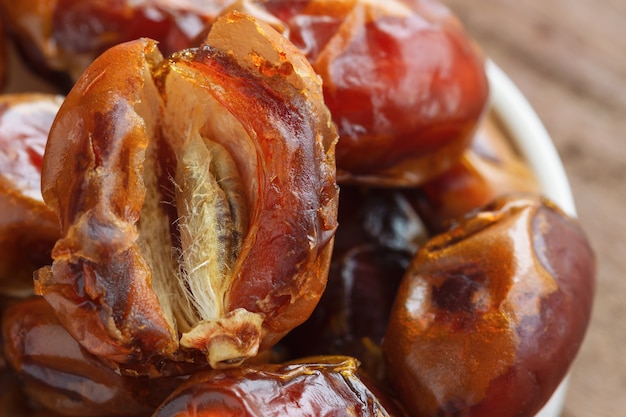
pixel 531 137
pixel 536 146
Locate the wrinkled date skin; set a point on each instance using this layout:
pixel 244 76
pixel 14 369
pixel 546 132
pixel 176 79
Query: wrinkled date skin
pixel 28 229
pixel 197 199
pixel 63 37
pixel 374 245
pixel 491 313
pixel 61 376
pixel 489 169
pixel 404 83
pixel 318 386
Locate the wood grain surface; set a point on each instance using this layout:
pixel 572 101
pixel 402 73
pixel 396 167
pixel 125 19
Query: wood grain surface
pixel 569 59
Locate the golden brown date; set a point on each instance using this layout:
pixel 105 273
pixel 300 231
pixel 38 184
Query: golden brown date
pixel 28 229
pixel 197 198
pixel 59 375
pixel 491 313
pixel 489 169
pixel 318 386
pixel 404 83
pixel 60 38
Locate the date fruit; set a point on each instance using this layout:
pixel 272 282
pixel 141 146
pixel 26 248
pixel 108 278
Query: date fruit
pixel 59 375
pixel 489 169
pixel 60 38
pixel 491 313
pixel 405 84
pixel 197 198
pixel 318 386
pixel 378 235
pixel 28 229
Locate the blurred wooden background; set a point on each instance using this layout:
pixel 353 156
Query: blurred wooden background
pixel 569 59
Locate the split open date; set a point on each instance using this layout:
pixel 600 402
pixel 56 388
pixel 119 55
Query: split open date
pixel 197 199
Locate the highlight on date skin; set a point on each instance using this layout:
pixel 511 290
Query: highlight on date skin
pixel 491 313
pixel 197 199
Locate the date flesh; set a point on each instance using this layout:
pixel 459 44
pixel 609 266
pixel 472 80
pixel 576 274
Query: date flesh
pixel 197 199
pixel 491 313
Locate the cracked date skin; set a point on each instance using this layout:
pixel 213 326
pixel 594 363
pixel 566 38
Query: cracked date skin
pixel 197 199
pixel 28 229
pixel 405 84
pixel 291 389
pixel 491 313
pixel 60 376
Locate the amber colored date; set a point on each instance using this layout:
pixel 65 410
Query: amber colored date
pixel 197 199
pixel 318 386
pixel 60 376
pixel 28 229
pixel 492 312
pixel 405 84
pixel 489 169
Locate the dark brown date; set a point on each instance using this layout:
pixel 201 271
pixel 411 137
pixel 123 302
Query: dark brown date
pixel 60 38
pixel 404 83
pixel 491 313
pixel 28 229
pixel 378 236
pixel 59 375
pixel 197 198
pixel 321 386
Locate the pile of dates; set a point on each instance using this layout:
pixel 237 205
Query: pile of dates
pixel 271 208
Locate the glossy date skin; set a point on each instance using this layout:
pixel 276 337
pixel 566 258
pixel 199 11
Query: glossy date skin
pixel 319 386
pixel 198 210
pixel 60 38
pixel 491 313
pixel 28 229
pixel 60 376
pixel 489 169
pixel 404 83
pixel 379 234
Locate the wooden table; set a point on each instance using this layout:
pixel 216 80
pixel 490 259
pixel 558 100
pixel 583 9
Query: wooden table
pixel 569 59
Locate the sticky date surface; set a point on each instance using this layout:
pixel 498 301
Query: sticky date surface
pixel 60 38
pixel 405 85
pixel 197 198
pixel 318 386
pixel 59 375
pixel 491 313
